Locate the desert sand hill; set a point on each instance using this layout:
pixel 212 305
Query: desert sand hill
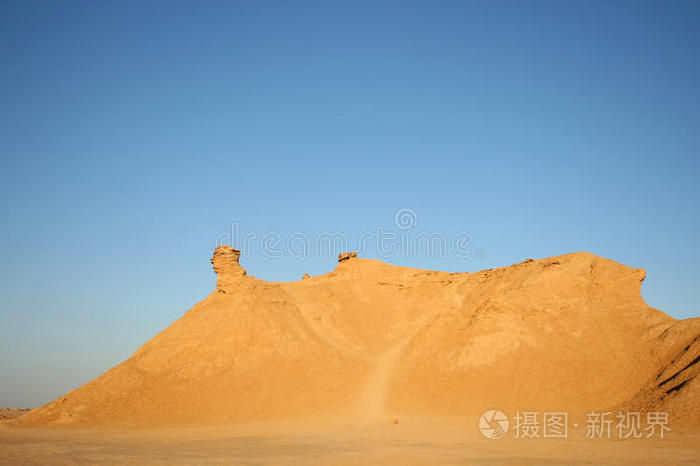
pixel 371 341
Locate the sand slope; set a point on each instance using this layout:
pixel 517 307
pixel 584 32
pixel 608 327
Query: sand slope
pixel 370 341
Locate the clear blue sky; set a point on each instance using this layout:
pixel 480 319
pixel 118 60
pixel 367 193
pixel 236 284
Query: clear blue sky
pixel 133 133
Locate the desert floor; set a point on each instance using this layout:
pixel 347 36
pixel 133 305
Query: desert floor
pixel 411 442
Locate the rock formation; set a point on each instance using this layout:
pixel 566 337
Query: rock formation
pixel 343 256
pixel 372 341
pixel 227 268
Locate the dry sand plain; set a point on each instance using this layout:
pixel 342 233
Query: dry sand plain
pixel 413 441
pixel 313 372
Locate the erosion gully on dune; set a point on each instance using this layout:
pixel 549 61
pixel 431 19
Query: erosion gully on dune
pixel 371 405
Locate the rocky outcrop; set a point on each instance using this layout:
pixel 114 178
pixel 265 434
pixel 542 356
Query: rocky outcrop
pixel 227 268
pixel 343 256
pixel 675 387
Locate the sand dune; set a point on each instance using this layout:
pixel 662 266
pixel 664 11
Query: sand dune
pixel 370 342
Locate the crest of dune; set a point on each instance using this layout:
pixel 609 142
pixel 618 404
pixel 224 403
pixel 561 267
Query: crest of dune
pixel 370 341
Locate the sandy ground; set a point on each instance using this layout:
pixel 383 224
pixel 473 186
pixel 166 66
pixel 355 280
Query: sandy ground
pixel 411 442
